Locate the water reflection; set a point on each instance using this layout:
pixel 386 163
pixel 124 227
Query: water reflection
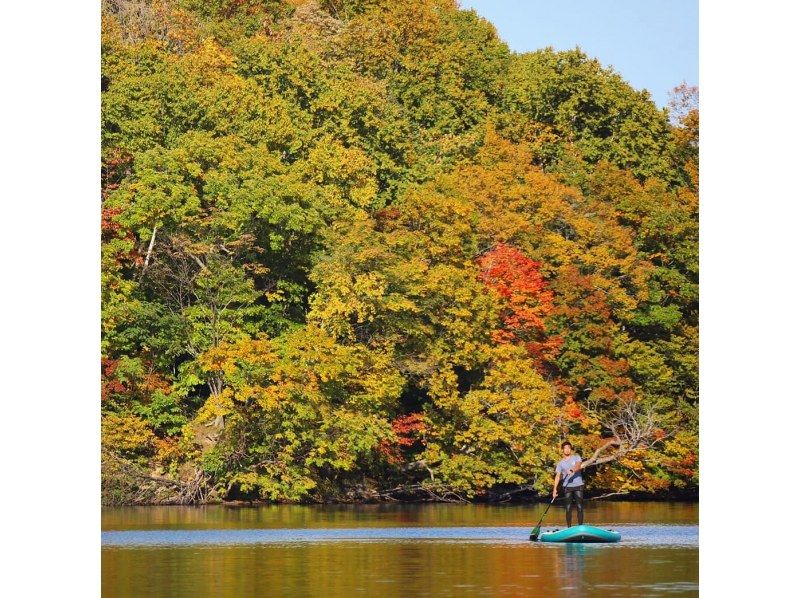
pixel 492 565
pixel 570 566
pixel 312 516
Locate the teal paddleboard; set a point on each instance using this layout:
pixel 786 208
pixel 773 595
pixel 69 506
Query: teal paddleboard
pixel 580 533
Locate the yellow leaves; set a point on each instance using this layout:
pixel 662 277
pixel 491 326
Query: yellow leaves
pixel 633 462
pixel 227 356
pixel 205 428
pixel 496 431
pixel 306 367
pixel 348 169
pixel 514 201
pixel 444 221
pixel 210 56
pixel 168 450
pixel 369 287
pixel 443 386
pixel 127 433
pixel 248 368
pixel 247 481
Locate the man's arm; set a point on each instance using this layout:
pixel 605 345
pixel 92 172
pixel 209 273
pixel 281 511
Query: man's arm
pixel 555 484
pixel 577 467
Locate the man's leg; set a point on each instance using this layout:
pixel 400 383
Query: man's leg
pixel 568 496
pixel 579 505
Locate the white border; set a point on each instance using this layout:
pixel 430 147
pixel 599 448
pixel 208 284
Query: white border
pixel 50 267
pixel 749 300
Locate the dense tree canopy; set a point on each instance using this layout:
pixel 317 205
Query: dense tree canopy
pixel 354 250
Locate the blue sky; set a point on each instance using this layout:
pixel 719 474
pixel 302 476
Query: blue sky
pixel 653 44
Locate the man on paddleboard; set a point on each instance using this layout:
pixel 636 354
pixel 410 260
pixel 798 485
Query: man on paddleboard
pixel 568 472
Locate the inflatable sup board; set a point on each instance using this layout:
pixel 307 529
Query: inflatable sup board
pixel 580 533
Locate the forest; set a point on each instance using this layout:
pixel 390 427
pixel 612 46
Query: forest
pixel 359 250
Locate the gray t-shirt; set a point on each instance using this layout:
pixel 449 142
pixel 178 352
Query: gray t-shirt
pixel 570 480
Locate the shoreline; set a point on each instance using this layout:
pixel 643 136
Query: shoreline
pixel 683 497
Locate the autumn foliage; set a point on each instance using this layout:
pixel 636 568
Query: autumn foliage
pixel 525 298
pixel 360 250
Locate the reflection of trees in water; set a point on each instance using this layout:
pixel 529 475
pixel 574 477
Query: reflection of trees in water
pixel 570 564
pixel 395 569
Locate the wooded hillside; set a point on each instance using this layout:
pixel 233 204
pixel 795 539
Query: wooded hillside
pixel 359 250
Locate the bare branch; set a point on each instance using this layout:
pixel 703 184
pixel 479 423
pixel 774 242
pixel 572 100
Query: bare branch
pixel 620 493
pixel 197 260
pixel 593 460
pixel 634 426
pixel 149 249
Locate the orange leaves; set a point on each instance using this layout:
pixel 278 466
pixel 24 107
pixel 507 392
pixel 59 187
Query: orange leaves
pixel 408 428
pixel 110 385
pixel 385 218
pixel 130 380
pixel 574 411
pixel 525 298
pixel 167 450
pixel 108 221
pixel 516 278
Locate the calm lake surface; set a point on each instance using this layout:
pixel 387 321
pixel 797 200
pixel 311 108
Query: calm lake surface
pixel 395 550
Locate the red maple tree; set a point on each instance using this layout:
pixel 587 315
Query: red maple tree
pixel 408 430
pixel 526 300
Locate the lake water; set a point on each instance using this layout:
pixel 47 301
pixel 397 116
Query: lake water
pixel 395 550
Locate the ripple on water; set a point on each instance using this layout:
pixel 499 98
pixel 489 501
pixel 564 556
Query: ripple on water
pixel 638 536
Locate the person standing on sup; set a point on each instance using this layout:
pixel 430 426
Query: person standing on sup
pixel 568 472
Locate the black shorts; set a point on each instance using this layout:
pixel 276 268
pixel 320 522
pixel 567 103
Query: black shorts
pixel 573 489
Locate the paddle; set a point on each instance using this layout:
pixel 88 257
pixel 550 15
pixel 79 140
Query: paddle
pixel 535 531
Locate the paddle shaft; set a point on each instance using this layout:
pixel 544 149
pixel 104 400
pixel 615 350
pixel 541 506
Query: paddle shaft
pixel 545 513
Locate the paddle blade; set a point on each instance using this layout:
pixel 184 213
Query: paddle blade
pixel 535 533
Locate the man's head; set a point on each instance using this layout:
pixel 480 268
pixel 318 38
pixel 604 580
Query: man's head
pixel 566 448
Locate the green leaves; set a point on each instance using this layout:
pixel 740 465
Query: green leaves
pixel 164 412
pixel 594 108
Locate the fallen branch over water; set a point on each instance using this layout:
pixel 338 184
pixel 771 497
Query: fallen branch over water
pixel 621 493
pixel 408 493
